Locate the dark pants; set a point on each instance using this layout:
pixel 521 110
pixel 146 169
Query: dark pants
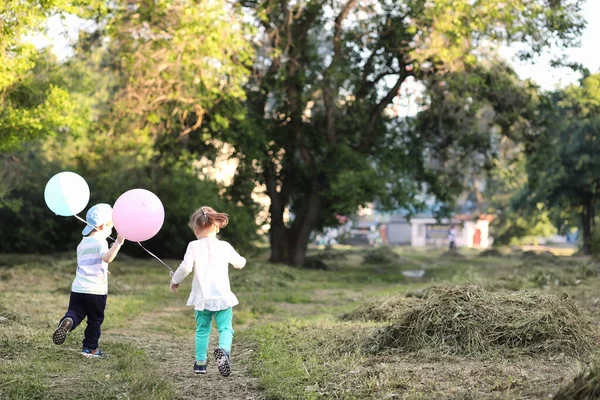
pixel 92 306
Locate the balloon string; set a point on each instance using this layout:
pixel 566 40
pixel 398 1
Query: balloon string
pixel 114 240
pixel 159 260
pixel 87 223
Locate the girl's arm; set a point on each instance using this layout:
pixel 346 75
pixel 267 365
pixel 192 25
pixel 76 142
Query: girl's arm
pixel 235 259
pixel 185 268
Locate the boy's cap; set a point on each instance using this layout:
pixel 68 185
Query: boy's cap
pixel 98 215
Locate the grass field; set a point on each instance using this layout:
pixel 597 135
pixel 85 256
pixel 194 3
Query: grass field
pixel 299 334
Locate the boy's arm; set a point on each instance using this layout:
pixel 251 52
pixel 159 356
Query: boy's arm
pixel 110 255
pixel 185 268
pixel 235 259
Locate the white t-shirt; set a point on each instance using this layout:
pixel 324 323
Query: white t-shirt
pixel 451 234
pixel 209 258
pixel 92 272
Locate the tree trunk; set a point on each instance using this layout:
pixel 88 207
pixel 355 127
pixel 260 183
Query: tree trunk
pixel 279 245
pixel 304 224
pixel 289 245
pixel 586 221
pixel 278 231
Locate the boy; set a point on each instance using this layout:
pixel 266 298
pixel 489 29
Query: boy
pixel 90 286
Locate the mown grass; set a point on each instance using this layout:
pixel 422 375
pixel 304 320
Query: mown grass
pixel 325 356
pixel 34 294
pixel 292 319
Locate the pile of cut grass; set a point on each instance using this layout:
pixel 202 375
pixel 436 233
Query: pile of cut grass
pixel 490 253
pixel 331 254
pixel 585 386
pixel 381 256
pixel 468 320
pixel 381 310
pixel 454 253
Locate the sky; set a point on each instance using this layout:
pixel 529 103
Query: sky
pixel 587 54
pixel 63 32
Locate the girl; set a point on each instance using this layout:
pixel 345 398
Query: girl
pixel 211 294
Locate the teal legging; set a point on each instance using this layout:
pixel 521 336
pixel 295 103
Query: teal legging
pixel 203 325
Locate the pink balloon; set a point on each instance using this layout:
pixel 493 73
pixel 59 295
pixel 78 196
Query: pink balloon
pixel 138 215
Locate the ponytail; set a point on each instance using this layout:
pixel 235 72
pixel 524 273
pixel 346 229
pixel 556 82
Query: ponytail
pixel 205 217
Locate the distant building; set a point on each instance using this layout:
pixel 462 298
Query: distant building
pixel 424 231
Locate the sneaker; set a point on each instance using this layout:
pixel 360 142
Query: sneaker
pixel 97 353
pixel 60 334
pixel 199 368
pixel 223 362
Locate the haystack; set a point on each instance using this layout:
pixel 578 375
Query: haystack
pixel 330 254
pixel 381 256
pixel 585 386
pixel 452 254
pixel 469 320
pixel 382 310
pixel 490 253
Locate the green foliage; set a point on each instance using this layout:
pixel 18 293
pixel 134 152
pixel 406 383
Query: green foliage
pixel 121 113
pixel 31 111
pixel 176 61
pixel 595 244
pixel 304 91
pixel 112 166
pixel 468 123
pixel 36 107
pixel 562 166
pixel 516 222
pixel 320 131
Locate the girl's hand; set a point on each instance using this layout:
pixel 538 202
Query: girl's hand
pixel 120 239
pixel 174 287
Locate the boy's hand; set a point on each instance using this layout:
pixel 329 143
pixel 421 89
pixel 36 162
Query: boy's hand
pixel 120 239
pixel 174 287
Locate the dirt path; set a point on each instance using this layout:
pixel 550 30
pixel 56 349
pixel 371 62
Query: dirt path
pixel 175 357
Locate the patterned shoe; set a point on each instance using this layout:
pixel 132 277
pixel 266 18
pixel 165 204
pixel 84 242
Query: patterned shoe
pixel 97 353
pixel 223 362
pixel 60 334
pixel 199 368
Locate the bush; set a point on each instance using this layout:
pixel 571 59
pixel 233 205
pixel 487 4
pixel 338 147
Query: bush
pixel 33 228
pixel 595 244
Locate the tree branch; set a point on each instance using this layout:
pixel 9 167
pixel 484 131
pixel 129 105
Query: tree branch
pixel 329 93
pixel 337 30
pixel 367 69
pixel 375 114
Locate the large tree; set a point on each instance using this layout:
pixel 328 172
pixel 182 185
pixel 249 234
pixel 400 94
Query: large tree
pixel 31 106
pixel 563 165
pixel 139 85
pixel 319 132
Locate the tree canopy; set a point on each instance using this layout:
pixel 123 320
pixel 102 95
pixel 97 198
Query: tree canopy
pixel 305 92
pixel 562 165
pixel 319 132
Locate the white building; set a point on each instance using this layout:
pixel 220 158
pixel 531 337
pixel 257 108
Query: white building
pixel 427 231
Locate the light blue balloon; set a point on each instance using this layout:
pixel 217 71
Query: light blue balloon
pixel 67 194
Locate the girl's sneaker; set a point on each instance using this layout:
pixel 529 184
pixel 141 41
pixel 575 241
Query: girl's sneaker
pixel 223 362
pixel 199 368
pixel 97 353
pixel 60 334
